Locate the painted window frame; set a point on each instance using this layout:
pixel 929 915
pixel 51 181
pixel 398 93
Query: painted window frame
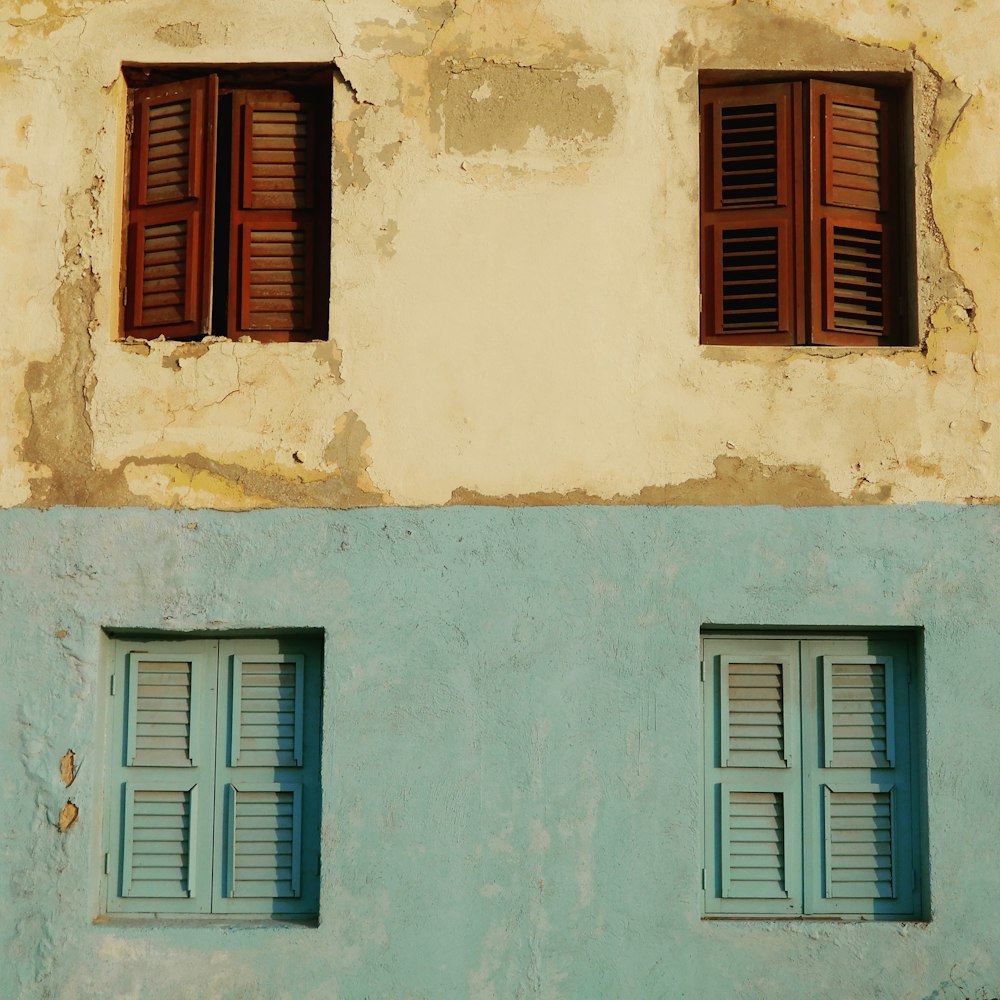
pixel 212 786
pixel 227 203
pixel 798 249
pixel 782 787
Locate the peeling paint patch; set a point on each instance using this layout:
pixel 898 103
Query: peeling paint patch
pixel 386 234
pixel 348 165
pixel 744 482
pixel 173 360
pixel 182 34
pixel 494 106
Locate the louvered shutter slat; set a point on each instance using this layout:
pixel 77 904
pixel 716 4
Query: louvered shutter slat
pixel 265 841
pixel 860 847
pixel 755 693
pixel 267 712
pixel 162 709
pixel 858 711
pixel 171 196
pixel 158 856
pixel 753 844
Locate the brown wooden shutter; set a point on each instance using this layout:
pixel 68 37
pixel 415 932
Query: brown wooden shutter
pixel 750 214
pixel 854 216
pixel 170 210
pixel 279 263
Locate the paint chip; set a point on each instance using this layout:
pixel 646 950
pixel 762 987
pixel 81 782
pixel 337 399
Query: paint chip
pixel 67 768
pixel 67 816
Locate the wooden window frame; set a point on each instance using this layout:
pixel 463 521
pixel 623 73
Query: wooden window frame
pixel 188 267
pixel 192 771
pixel 812 876
pixel 842 273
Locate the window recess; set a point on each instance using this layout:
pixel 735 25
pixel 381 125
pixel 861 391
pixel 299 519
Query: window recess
pixel 228 206
pixel 812 767
pixel 213 793
pixel 802 206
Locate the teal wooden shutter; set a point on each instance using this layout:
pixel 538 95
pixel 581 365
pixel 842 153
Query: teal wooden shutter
pixel 753 815
pixel 859 788
pixel 162 780
pixel 267 826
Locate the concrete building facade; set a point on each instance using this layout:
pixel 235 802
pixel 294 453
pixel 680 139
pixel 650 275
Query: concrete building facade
pixel 507 492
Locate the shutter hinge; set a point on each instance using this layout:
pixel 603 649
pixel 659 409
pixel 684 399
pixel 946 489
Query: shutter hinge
pixel 125 295
pixel 107 862
pixel 112 685
pixel 702 877
pixel 701 671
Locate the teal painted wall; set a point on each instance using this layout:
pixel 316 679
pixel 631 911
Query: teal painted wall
pixel 512 744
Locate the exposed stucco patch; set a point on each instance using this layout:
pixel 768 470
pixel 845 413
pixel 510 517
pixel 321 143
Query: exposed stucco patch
pixel 736 482
pixel 57 391
pixel 182 34
pixel 348 165
pixel 497 106
pixel 182 351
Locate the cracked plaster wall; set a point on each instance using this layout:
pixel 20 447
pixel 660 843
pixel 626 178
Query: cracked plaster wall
pixel 514 267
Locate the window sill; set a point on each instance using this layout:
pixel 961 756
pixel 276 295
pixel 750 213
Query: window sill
pixel 233 921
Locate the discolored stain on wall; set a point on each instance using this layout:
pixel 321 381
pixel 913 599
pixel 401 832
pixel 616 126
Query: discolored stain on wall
pixel 494 106
pixel 182 34
pixel 736 481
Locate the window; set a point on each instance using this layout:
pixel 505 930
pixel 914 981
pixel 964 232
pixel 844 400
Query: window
pixel 802 203
pixel 228 205
pixel 811 777
pixel 213 778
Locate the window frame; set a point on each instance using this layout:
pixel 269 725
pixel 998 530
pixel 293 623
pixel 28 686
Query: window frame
pixel 207 290
pixel 805 259
pixel 203 780
pixel 806 782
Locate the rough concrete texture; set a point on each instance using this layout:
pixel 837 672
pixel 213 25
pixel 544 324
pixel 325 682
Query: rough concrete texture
pixel 512 773
pixel 514 268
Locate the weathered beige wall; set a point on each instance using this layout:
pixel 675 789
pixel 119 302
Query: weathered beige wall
pixel 514 312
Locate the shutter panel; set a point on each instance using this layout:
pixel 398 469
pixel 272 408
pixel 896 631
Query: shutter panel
pixel 855 216
pixel 161 778
pixel 267 837
pixel 753 782
pixel 170 210
pixel 267 711
pixel 265 841
pixel 750 217
pixel 279 277
pixel 859 787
